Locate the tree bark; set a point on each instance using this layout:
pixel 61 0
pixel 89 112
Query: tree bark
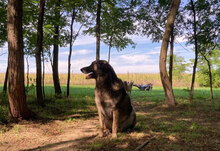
pixel 196 50
pixel 6 81
pixel 27 73
pixel 98 27
pixel 56 80
pixel 16 89
pixel 171 56
pixel 170 99
pixel 39 50
pixel 210 76
pixel 109 49
pixel 70 52
pixel 43 77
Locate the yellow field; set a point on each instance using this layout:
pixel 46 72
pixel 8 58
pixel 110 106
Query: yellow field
pixel 79 79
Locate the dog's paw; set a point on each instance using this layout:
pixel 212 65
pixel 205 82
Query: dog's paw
pixel 114 135
pixel 101 133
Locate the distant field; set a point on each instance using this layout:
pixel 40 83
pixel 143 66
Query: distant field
pixel 79 79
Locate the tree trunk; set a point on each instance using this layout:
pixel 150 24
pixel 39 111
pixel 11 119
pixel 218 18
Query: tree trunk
pixel 109 53
pixel 39 50
pixel 171 56
pixel 6 81
pixel 27 73
pixel 210 76
pixel 56 80
pixel 16 89
pixel 70 52
pixel 163 54
pixel 109 49
pixel 43 78
pixel 98 27
pixel 196 51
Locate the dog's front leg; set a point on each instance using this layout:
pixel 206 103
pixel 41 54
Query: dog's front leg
pixel 101 122
pixel 115 123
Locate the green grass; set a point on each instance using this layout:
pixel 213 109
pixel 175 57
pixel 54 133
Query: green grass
pixel 188 126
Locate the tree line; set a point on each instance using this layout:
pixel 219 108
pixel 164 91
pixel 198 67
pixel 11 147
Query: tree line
pixel 39 28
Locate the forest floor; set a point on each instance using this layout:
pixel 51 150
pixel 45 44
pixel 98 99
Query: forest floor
pixel 185 127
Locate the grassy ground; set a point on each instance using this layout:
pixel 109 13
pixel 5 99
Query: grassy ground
pixel 188 126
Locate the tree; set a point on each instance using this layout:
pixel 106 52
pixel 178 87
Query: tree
pixel 56 80
pixel 202 26
pixel 16 94
pixel 117 23
pixel 152 17
pixel 179 66
pixel 77 11
pixel 98 27
pixel 5 81
pixel 163 54
pixel 196 49
pixel 72 39
pixel 39 49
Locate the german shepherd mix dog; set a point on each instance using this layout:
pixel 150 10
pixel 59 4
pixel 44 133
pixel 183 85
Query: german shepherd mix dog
pixel 113 103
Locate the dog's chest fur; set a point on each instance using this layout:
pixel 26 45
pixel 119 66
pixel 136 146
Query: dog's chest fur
pixel 106 101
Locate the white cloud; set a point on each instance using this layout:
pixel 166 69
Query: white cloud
pixel 133 59
pixel 137 69
pixel 77 52
pixel 180 39
pixel 140 39
pixel 84 40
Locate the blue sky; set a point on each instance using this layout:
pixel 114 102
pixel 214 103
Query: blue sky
pixel 144 58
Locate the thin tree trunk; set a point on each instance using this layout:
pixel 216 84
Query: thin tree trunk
pixel 27 73
pixel 16 89
pixel 70 52
pixel 98 27
pixel 196 51
pixel 6 81
pixel 171 56
pixel 109 49
pixel 39 50
pixel 210 76
pixel 72 40
pixel 109 53
pixel 43 78
pixel 56 80
pixel 170 99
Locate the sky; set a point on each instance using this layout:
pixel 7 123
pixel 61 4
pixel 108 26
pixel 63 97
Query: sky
pixel 144 58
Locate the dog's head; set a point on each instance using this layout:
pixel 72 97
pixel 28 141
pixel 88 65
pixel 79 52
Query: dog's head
pixel 97 69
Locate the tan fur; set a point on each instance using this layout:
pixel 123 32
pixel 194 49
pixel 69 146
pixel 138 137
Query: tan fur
pixel 113 103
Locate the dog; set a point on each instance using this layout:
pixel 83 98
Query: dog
pixel 128 86
pixel 116 114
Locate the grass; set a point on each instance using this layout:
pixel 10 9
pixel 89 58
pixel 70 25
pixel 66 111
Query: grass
pixel 188 126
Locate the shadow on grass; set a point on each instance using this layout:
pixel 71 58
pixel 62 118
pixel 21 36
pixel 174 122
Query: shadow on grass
pixel 64 145
pixel 185 127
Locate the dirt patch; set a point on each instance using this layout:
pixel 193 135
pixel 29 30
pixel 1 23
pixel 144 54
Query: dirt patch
pixel 55 135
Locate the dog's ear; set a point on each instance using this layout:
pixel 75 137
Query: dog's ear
pixel 105 67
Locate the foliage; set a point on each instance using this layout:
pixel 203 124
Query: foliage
pixel 179 66
pixel 3 22
pixel 117 21
pixel 152 16
pixel 207 15
pixel 203 69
